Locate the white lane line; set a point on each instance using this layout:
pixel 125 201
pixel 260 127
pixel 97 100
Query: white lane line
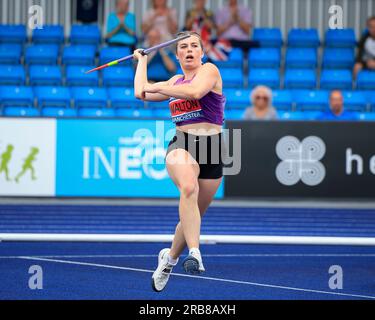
pixel 260 255
pixel 199 277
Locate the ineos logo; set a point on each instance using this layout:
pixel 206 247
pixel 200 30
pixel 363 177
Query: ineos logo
pixel 300 161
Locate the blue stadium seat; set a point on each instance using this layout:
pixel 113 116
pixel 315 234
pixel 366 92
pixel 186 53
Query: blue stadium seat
pixel 134 113
pixel 79 55
pixel 301 58
pixel 232 77
pixel 49 34
pixel 13 33
pixel 157 72
pixel 12 75
pixel 42 54
pixel 124 98
pixel 52 96
pixel 311 100
pixel 304 38
pixel 234 114
pixel 366 80
pixel 96 112
pixel 85 34
pixel 300 115
pixel 338 58
pixel 118 76
pixel 89 97
pixel 76 76
pixel 268 37
pixel 366 116
pixel 336 79
pixel 235 59
pixel 45 75
pixel 162 113
pixel 300 79
pixel 340 38
pixel 237 98
pixel 264 58
pixel 16 95
pixel 18 111
pixel 10 53
pixel 354 101
pixel 108 54
pixel 282 99
pixel 267 77
pixel 56 112
pixel 157 104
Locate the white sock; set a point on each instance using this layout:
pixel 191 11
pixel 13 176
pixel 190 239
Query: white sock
pixel 194 251
pixel 172 261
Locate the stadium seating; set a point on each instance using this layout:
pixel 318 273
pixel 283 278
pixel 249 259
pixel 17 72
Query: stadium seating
pixel 354 101
pixel 49 34
pixel 234 114
pixel 311 100
pixel 340 38
pixel 79 55
pixel 368 116
pixel 336 79
pixel 16 96
pixel 96 113
pixel 48 96
pixel 10 53
pixel 123 98
pixel 268 37
pixel 282 99
pixel 45 75
pixel 56 112
pixel 237 98
pixel 18 111
pixel 338 58
pixel 366 80
pixel 12 75
pixel 76 76
pixel 305 38
pixel 13 33
pixel 232 77
pixel 85 34
pixel 89 97
pixel 235 59
pixel 300 79
pixel 301 58
pixel 162 113
pixel 134 113
pixel 264 58
pixel 42 54
pixel 108 54
pixel 118 76
pixel 268 77
pixel 300 115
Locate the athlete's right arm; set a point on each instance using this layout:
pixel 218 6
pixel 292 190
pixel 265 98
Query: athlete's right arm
pixel 140 80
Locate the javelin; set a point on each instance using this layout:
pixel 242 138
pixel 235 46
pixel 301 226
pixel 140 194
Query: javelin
pixel 143 52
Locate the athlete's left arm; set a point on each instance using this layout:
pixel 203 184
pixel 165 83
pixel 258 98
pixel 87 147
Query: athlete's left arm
pixel 203 82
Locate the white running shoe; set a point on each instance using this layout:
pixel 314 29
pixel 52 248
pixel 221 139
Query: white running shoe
pixel 193 263
pixel 163 271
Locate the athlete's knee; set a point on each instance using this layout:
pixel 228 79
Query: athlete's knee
pixel 189 189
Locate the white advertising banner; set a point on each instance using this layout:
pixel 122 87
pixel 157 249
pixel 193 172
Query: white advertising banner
pixel 27 157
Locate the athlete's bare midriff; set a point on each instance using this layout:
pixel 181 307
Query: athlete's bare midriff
pixel 200 129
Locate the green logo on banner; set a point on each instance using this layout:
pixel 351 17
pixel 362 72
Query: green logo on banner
pixel 6 157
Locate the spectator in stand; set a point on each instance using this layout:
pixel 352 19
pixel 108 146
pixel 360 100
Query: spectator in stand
pixel 121 26
pixel 337 112
pixel 161 18
pixel 162 60
pixel 262 109
pixel 234 22
pixel 366 49
pixel 199 18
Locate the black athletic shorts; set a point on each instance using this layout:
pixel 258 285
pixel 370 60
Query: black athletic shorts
pixel 206 150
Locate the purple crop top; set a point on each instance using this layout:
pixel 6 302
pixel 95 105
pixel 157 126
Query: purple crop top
pixel 209 108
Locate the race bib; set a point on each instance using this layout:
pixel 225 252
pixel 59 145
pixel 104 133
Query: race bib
pixel 182 110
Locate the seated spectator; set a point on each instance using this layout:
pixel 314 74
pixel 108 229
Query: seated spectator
pixel 121 26
pixel 160 63
pixel 199 18
pixel 336 105
pixel 262 109
pixel 366 49
pixel 161 18
pixel 234 21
